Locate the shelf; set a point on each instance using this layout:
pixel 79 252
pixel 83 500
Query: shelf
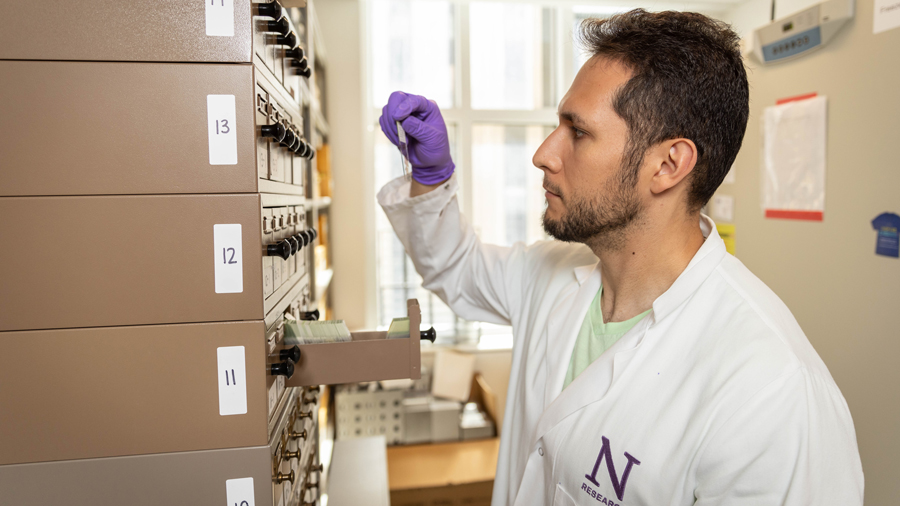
pixel 369 356
pixel 323 280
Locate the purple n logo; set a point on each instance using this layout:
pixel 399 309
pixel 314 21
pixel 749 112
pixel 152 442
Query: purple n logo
pixel 618 486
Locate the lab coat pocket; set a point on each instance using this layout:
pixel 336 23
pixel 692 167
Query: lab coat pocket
pixel 562 498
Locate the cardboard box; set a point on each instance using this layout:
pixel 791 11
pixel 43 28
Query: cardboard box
pixel 443 474
pixel 468 494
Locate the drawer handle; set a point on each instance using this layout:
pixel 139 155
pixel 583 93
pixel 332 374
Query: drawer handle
pixel 270 10
pixel 281 477
pixel 285 369
pixel 281 249
pixel 276 131
pixel 291 354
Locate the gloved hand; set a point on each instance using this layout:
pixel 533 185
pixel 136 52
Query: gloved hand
pixel 429 147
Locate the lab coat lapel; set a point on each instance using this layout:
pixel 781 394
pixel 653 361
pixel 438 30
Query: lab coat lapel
pixel 563 327
pixel 594 382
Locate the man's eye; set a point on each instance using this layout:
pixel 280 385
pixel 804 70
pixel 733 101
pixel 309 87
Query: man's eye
pixel 577 133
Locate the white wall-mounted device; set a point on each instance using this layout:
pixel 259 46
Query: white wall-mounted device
pixel 801 32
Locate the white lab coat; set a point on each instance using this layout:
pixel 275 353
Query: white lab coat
pixel 716 397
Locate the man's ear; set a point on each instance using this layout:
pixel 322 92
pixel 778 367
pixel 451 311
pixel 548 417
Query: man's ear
pixel 672 161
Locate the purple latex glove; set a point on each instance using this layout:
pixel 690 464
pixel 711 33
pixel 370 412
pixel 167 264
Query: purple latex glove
pixel 429 147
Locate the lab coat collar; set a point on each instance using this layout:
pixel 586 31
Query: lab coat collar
pixel 582 272
pixel 563 325
pixel 705 261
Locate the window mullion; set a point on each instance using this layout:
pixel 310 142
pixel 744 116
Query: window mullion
pixel 464 122
pixel 565 71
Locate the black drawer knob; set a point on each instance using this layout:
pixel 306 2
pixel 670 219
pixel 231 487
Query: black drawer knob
pixel 276 131
pixel 301 64
pixel 312 234
pixel 296 53
pixel 295 245
pixel 297 143
pixel 304 150
pixel 289 40
pixel 310 315
pixel 280 249
pixel 281 26
pixel 307 72
pixel 291 354
pixel 289 138
pixel 269 10
pixel 428 335
pixel 285 369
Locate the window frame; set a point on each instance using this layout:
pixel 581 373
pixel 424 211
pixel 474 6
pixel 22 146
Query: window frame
pixel 464 117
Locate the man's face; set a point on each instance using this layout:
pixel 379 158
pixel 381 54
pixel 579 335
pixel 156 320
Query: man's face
pixel 590 195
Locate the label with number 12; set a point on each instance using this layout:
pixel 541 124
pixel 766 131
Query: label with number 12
pixel 229 267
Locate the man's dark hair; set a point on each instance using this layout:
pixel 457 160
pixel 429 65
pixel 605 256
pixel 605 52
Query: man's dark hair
pixel 688 81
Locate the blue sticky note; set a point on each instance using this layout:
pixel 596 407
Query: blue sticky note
pixel 888 226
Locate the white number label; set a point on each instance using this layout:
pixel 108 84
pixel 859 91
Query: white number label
pixel 228 258
pixel 232 381
pixel 220 18
pixel 239 492
pixel 222 129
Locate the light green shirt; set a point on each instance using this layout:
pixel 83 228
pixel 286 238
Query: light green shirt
pixel 595 337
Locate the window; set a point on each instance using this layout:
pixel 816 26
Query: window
pixel 510 65
pixel 497 69
pixel 582 12
pixel 413 49
pixel 507 192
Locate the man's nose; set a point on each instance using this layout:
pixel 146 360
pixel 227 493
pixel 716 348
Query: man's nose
pixel 547 157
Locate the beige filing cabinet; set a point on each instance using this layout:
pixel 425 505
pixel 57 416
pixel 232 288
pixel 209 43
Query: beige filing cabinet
pixel 156 232
pixel 156 388
pixel 134 260
pixel 283 470
pixel 137 128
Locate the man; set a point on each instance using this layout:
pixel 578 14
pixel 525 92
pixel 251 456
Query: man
pixel 649 367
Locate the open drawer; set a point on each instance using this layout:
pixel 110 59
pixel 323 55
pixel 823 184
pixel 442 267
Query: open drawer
pixel 369 356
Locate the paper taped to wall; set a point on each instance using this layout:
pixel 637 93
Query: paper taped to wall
pixel 887 15
pixel 793 159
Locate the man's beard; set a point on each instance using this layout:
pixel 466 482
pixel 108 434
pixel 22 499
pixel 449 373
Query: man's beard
pixel 603 221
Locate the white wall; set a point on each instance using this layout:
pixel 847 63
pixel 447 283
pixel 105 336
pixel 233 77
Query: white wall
pixel 748 16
